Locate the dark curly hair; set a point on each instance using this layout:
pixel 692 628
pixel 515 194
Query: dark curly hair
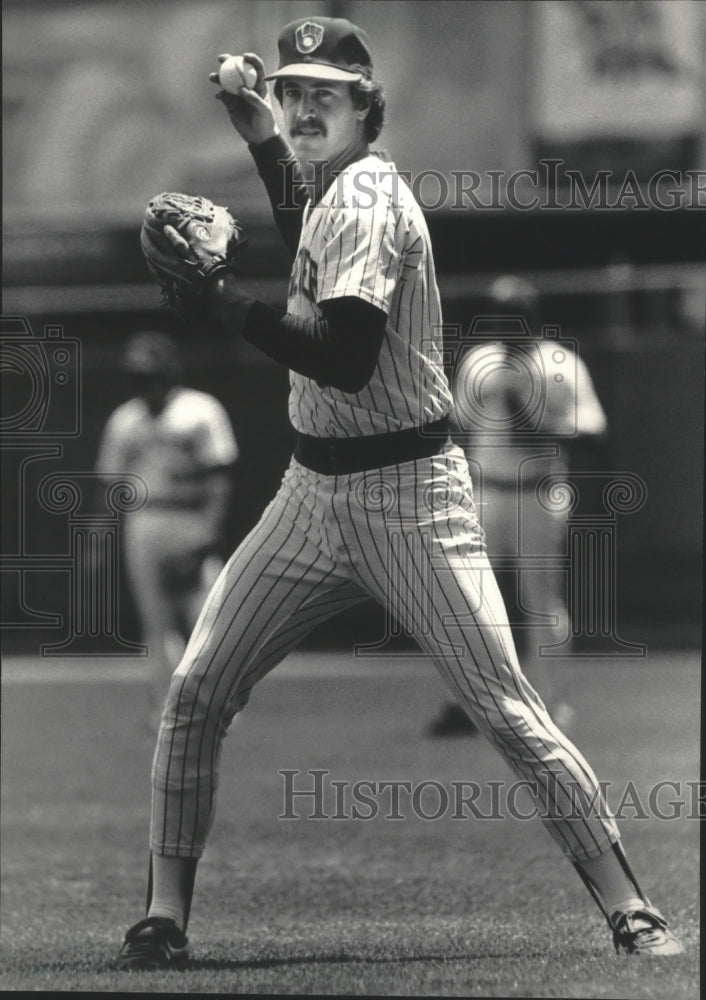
pixel 368 93
pixel 364 93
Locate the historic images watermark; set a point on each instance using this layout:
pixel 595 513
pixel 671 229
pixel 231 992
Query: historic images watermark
pixel 313 794
pixel 42 377
pixel 589 503
pixel 551 186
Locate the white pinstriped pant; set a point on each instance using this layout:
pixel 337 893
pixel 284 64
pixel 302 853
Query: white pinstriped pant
pixel 407 535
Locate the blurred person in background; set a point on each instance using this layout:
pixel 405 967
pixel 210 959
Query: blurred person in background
pixel 181 443
pixel 497 387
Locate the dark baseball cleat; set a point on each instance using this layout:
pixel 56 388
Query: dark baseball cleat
pixel 644 932
pixel 153 943
pixel 452 721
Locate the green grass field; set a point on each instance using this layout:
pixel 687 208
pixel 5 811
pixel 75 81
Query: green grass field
pixel 410 907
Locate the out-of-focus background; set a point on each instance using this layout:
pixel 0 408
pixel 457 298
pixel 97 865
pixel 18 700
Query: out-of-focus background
pixel 108 103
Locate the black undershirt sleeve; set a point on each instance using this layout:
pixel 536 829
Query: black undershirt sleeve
pixel 340 349
pixel 279 171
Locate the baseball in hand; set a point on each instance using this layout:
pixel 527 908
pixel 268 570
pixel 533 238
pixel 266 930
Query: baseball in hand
pixel 235 74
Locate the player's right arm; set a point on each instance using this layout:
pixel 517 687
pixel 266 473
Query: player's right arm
pixel 252 117
pixel 279 171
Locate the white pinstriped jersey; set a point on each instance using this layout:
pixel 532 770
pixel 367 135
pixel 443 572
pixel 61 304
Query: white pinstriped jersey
pixel 367 238
pixel 172 450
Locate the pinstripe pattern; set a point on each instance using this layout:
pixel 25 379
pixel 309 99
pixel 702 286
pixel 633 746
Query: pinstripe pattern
pixel 373 246
pixel 406 535
pixel 324 543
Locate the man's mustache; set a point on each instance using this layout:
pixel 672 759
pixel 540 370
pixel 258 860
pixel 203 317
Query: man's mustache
pixel 307 126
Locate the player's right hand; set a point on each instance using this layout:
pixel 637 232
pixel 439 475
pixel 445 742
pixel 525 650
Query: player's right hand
pixel 250 111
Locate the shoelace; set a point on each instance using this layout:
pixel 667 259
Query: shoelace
pixel 627 934
pixel 647 935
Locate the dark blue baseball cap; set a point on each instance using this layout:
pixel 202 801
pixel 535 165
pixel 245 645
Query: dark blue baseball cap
pixel 323 48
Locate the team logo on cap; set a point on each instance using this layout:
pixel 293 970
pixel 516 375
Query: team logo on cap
pixel 308 37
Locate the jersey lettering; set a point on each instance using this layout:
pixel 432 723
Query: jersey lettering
pixel 303 279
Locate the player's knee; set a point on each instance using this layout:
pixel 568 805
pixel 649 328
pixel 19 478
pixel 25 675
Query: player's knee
pixel 517 725
pixel 234 706
pixel 240 701
pixel 194 702
pixel 188 697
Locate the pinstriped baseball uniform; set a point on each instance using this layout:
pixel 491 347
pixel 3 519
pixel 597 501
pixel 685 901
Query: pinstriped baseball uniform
pixel 391 267
pixel 404 533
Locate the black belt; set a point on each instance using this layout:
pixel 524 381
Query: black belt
pixel 343 456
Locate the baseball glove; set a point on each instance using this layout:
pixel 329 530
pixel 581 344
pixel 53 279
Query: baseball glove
pixel 186 239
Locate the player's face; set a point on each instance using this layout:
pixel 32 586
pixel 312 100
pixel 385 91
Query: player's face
pixel 321 120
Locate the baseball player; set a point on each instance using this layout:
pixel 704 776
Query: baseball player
pixel 376 500
pixel 522 404
pixel 180 441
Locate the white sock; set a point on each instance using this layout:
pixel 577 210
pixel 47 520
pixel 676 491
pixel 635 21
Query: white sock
pixel 168 880
pixel 614 886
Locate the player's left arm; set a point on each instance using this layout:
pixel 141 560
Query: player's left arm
pixel 357 276
pixel 340 348
pixel 338 345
